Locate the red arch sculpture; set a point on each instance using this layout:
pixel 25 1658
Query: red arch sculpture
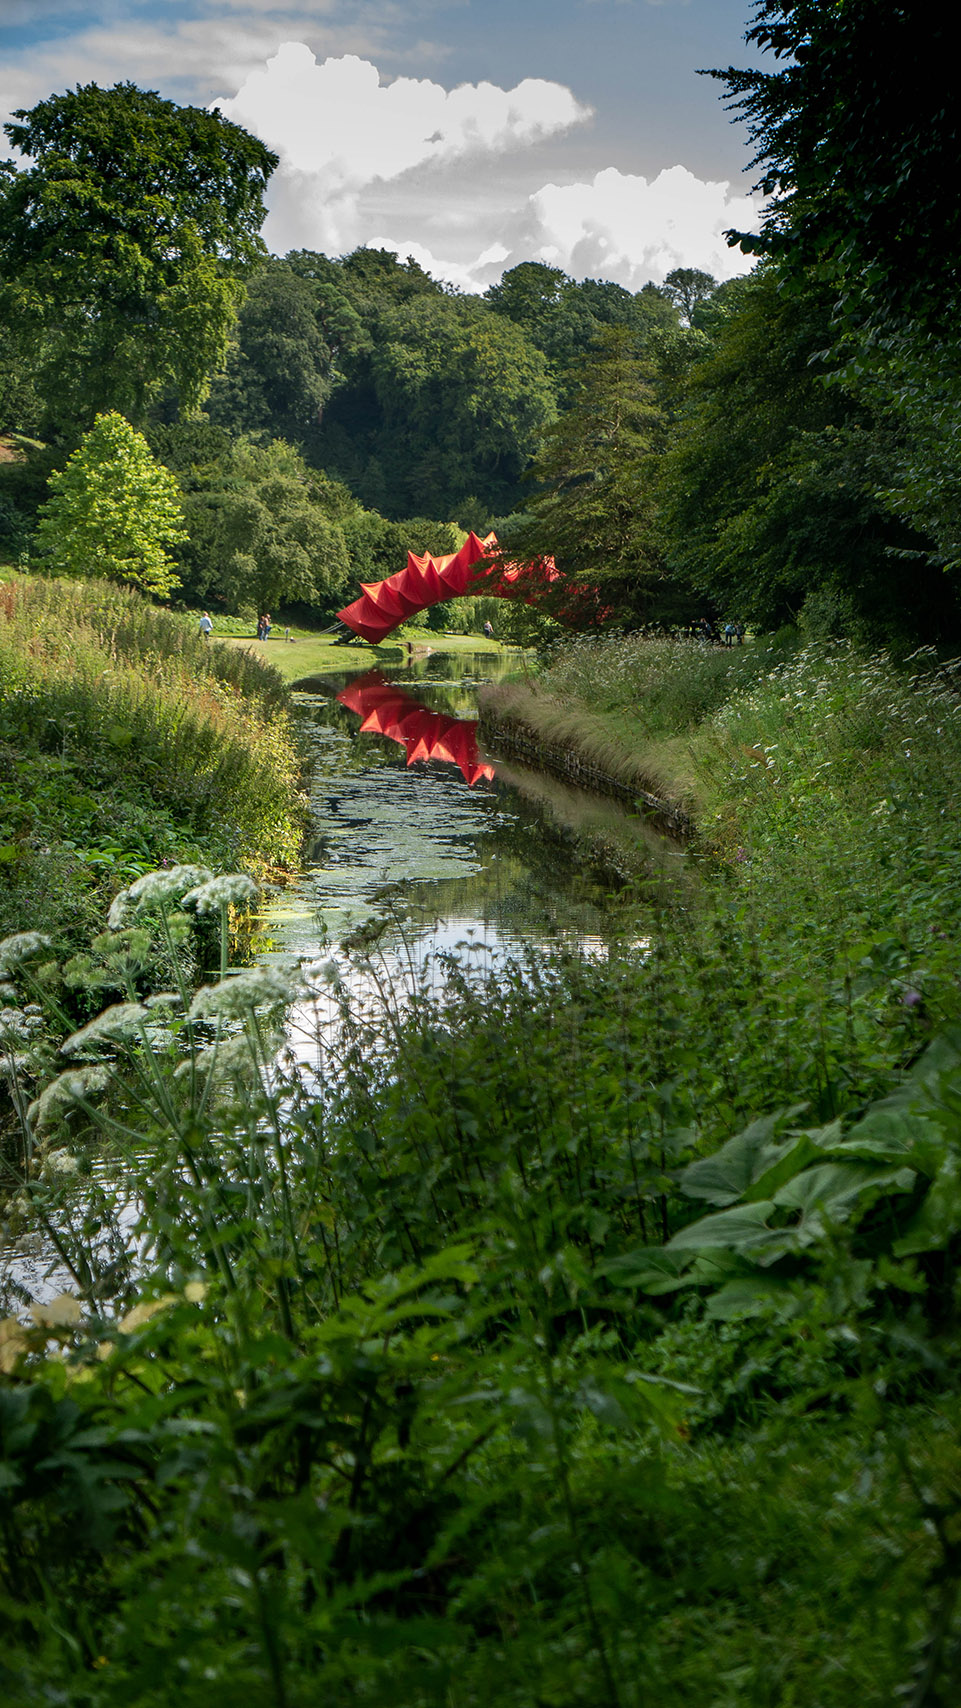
pixel 388 711
pixel 427 580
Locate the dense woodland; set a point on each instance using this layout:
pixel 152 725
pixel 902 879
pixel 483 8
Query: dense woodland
pixel 776 448
pixel 587 1334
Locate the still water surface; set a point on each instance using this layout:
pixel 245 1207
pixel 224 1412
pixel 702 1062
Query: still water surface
pixel 459 851
pixel 410 818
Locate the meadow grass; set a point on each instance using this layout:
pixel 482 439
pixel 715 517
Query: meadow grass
pixel 128 739
pixel 314 654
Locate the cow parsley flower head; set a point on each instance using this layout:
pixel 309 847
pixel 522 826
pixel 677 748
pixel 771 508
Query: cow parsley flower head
pixel 22 946
pixel 235 998
pixel 15 1027
pixel 117 916
pixel 230 1058
pixel 154 889
pixel 121 1021
pixel 77 1085
pixel 231 889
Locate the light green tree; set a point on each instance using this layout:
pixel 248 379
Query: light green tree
pixel 113 511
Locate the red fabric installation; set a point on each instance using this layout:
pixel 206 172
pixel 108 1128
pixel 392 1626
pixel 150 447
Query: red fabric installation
pixel 424 581
pixel 388 711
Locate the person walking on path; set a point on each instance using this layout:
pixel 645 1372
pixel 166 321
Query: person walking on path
pixel 205 625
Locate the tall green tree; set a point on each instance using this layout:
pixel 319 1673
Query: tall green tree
pixel 124 242
pixel 113 511
pixel 562 317
pixel 686 287
pixel 283 364
pixel 264 529
pixel 768 498
pixel 594 510
pixel 442 403
pixel 858 133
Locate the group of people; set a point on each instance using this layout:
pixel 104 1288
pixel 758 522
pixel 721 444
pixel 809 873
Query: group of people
pixel 705 630
pixel 263 626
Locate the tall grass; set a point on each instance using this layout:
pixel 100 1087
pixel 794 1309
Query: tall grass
pixel 627 704
pixel 94 674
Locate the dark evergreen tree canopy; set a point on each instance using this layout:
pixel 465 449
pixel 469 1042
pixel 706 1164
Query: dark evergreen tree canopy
pixel 769 496
pixel 593 512
pixel 858 136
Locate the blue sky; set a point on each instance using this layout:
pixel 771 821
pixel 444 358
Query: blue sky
pixel 472 133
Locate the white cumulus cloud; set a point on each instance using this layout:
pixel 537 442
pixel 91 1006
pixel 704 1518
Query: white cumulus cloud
pixel 448 177
pixel 627 228
pixel 338 129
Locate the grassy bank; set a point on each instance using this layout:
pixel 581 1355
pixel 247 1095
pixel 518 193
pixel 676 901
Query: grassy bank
pixel 629 707
pixel 127 741
pixel 310 654
pixel 584 1336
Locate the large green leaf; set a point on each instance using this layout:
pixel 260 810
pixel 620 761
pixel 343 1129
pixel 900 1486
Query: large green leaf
pixel 742 1229
pixel 938 1220
pixel 747 1160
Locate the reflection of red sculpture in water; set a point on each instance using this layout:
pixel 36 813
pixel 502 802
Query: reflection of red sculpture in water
pixel 388 711
pixel 384 605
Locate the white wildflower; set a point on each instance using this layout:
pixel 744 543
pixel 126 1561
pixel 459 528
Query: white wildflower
pixel 121 1021
pixel 62 1312
pixel 261 987
pixel 142 1313
pixel 12 1065
pixel 322 972
pixel 117 917
pixel 230 1057
pixel 15 1027
pixel 8 992
pixel 22 946
pixel 164 999
pixel 156 889
pixel 231 889
pixel 74 1086
pixel 60 1162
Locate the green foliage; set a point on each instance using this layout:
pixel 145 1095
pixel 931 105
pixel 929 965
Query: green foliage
pixel 593 512
pixel 123 245
pixel 112 511
pixel 563 318
pixel 263 528
pixel 687 288
pixel 575 1334
pixel 857 136
pixel 280 373
pixel 126 741
pixel 461 395
pixel 769 492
